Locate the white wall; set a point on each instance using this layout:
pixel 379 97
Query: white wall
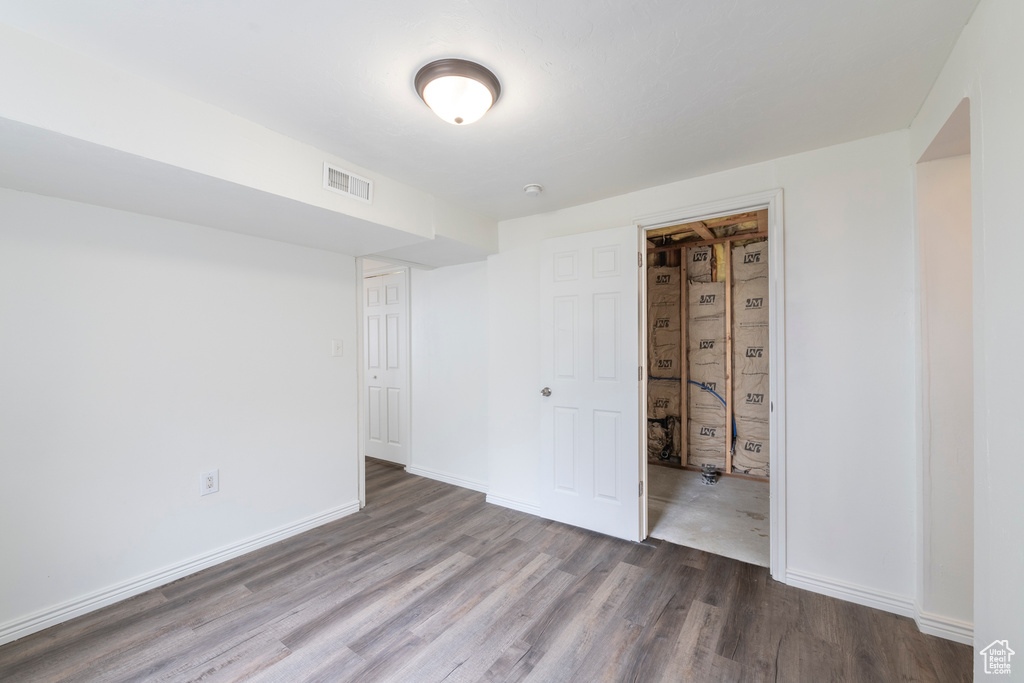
pixel 449 374
pixel 138 353
pixel 947 487
pixel 850 362
pixel 850 355
pixel 985 66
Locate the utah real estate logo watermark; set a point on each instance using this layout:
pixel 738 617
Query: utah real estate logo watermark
pixel 997 657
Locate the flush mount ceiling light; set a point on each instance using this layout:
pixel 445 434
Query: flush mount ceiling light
pixel 458 91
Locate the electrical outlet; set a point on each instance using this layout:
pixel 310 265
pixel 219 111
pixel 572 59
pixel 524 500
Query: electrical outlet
pixel 337 347
pixel 209 482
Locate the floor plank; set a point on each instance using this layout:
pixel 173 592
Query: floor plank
pixel 431 583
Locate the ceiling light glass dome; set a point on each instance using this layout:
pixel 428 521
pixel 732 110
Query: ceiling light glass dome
pixel 458 91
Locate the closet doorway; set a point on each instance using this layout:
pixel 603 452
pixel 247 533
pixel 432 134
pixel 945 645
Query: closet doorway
pixel 710 363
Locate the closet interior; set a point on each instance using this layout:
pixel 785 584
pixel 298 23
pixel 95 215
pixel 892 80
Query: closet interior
pixel 708 401
pixel 707 342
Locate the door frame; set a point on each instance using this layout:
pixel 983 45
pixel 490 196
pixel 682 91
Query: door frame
pixel 771 200
pixel 406 405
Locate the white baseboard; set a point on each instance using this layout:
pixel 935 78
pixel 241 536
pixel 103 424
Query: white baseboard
pixel 932 624
pixel 514 503
pixel 944 627
pixel 869 597
pixel 37 621
pixel 447 478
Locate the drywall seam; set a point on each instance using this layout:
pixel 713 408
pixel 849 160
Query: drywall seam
pixel 514 504
pixel 851 592
pixel 471 484
pixel 37 621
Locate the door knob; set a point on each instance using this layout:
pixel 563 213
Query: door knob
pixel 545 391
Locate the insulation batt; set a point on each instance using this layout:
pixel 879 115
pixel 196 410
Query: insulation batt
pixel 750 303
pixel 750 262
pixel 710 374
pixel 705 300
pixel 751 408
pixel 750 352
pixel 663 346
pixel 751 456
pixel 698 264
pixel 664 360
pixel 748 428
pixel 663 399
pixel 710 434
pixel 657 439
pixel 750 398
pixel 663 286
pixel 705 455
pixel 706 342
pixel 664 438
pixel 705 408
pixel 706 443
pixel 664 352
pixel 664 318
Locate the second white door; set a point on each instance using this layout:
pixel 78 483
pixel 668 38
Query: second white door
pixel 386 375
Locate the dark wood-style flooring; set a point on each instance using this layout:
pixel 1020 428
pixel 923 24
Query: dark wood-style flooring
pixel 430 583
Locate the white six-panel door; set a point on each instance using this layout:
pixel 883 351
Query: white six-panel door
pixel 386 377
pixel 590 429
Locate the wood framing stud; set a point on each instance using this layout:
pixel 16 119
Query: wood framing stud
pixel 701 243
pixel 734 219
pixel 684 353
pixel 702 230
pixel 728 358
pixel 705 226
pixel 762 221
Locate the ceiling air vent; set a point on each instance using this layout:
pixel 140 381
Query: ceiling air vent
pixel 349 184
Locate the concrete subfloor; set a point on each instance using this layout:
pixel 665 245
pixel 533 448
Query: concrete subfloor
pixel 729 518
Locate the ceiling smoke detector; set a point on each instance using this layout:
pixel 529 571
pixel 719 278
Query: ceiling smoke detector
pixel 533 189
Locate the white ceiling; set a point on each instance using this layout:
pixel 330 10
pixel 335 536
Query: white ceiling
pixel 598 98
